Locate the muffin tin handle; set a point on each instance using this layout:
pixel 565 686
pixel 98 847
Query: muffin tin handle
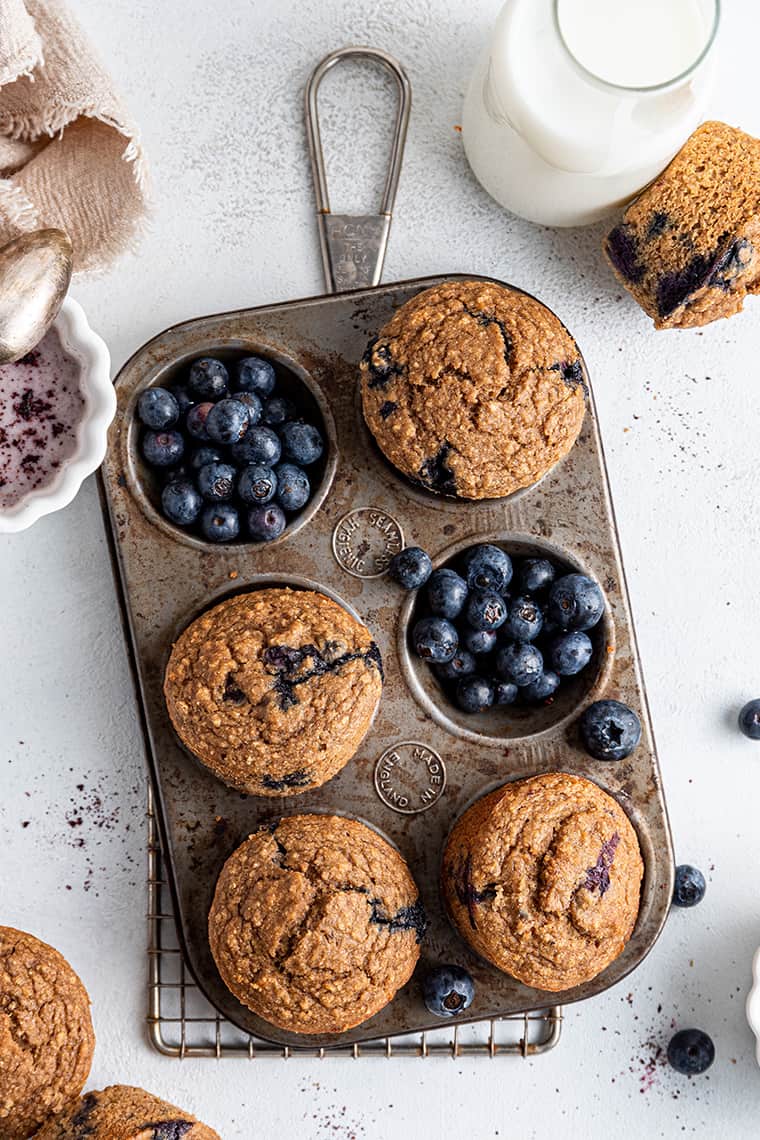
pixel 353 246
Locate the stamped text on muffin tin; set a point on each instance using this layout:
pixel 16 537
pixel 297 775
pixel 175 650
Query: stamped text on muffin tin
pixel 365 540
pixel 410 777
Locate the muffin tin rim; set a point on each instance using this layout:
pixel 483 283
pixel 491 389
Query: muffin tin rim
pixel 300 328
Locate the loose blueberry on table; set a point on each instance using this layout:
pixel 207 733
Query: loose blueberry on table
pixel 447 990
pixel 489 648
pixel 691 1052
pixel 749 720
pixel 231 450
pixel 690 886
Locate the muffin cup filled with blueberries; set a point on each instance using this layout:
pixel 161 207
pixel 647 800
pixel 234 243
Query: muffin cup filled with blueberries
pixel 504 638
pixel 231 448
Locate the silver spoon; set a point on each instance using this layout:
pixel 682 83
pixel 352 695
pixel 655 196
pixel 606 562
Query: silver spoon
pixel 35 271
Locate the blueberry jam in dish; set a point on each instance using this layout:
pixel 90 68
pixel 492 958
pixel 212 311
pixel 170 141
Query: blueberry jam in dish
pixel 233 449
pixel 505 631
pixel 41 407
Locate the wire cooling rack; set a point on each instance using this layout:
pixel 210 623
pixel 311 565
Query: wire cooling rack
pixel 183 1024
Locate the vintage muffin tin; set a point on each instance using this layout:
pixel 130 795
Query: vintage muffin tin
pixel 422 762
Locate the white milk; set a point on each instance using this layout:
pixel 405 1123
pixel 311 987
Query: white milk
pixel 553 125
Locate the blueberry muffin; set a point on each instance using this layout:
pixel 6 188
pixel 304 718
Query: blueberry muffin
pixel 688 248
pixel 473 390
pixel 542 877
pixel 121 1112
pixel 315 923
pixel 274 690
pixel 46 1037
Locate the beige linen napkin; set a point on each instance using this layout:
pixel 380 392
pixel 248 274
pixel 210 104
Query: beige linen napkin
pixel 69 154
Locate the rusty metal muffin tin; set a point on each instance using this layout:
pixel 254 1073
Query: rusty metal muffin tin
pixel 422 762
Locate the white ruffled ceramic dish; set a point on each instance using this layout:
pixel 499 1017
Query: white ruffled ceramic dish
pixel 753 1003
pixel 90 350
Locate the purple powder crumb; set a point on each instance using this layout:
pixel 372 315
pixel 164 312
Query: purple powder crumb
pixel 31 407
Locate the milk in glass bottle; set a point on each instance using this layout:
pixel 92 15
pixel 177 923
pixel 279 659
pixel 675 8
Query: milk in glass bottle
pixel 575 105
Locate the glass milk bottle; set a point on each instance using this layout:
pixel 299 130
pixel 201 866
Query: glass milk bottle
pixel 576 105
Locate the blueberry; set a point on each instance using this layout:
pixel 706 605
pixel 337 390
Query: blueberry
pixel 267 522
pixel 520 663
pixel 479 641
pixel 524 620
pixel 542 688
pixel 460 665
pixel 749 720
pixel 257 484
pixel 181 502
pixel 610 730
pixel 411 567
pixel 184 400
pixel 447 991
pixel 293 487
pixel 301 443
pixel 505 693
pixel 446 593
pixel 208 379
pixel 227 422
pixel 485 610
pixel 487 567
pixel 260 445
pixel 203 455
pixel 255 375
pixel 157 408
pixel 535 575
pixel 435 640
pixel 690 886
pixel 162 448
pixel 252 405
pixel 474 694
pixel 570 652
pixel 196 420
pixel 216 482
pixel 220 522
pixel 691 1052
pixel 575 602
pixel 277 410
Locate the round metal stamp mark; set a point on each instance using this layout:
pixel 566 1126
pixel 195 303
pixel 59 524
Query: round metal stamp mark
pixel 410 777
pixel 365 540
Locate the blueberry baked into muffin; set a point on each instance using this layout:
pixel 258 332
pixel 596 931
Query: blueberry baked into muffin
pixel 274 690
pixel 473 390
pixel 46 1037
pixel 121 1112
pixel 316 923
pixel 542 877
pixel 688 248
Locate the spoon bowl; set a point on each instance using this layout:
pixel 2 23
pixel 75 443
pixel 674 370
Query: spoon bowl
pixel 35 271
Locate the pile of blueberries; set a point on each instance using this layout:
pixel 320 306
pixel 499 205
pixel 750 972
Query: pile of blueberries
pixel 498 631
pixel 231 450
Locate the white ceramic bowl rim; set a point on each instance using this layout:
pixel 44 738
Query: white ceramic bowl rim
pixel 753 1003
pixel 86 346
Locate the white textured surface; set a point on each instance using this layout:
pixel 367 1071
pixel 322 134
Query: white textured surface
pixel 217 90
